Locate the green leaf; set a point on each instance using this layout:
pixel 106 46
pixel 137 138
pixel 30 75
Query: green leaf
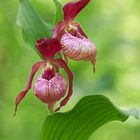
pixel 88 115
pixel 59 12
pixel 33 27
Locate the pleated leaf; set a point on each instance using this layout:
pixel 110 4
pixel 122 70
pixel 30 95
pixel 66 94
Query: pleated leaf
pixel 88 115
pixel 33 27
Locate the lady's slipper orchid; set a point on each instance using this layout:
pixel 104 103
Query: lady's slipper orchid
pixel 50 86
pixel 75 43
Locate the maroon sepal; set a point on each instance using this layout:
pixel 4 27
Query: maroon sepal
pixel 63 65
pixel 35 68
pixel 59 29
pixel 48 47
pixel 71 9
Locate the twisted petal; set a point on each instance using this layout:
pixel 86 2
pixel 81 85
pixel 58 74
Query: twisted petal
pixel 62 64
pixel 48 47
pixel 71 9
pixel 35 68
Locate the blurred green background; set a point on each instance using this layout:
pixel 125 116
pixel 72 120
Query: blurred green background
pixel 114 26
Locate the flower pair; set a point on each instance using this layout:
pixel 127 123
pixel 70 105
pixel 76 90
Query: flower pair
pixel 69 38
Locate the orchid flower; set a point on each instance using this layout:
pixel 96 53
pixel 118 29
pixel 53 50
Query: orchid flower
pixel 50 86
pixel 75 43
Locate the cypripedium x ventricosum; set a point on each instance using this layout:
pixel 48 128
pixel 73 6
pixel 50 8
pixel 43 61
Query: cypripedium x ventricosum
pixel 75 43
pixel 50 86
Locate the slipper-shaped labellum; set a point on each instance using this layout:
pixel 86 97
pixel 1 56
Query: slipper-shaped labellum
pixel 75 43
pixel 50 86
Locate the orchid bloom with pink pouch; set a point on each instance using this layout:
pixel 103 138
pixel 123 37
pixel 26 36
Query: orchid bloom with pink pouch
pixel 75 43
pixel 50 86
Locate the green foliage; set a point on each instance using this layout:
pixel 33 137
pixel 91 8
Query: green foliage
pixel 33 27
pixel 59 12
pixel 88 115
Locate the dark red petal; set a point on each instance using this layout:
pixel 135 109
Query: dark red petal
pixel 48 47
pixel 59 29
pixel 71 9
pixel 79 29
pixel 35 68
pixel 62 64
